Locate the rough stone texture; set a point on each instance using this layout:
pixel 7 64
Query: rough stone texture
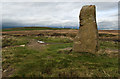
pixel 87 37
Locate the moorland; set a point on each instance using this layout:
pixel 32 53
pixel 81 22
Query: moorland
pixel 24 56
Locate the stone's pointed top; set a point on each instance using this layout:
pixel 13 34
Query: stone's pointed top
pixel 89 6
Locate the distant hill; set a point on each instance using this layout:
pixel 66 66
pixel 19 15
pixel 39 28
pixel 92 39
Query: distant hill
pixel 31 28
pixel 40 28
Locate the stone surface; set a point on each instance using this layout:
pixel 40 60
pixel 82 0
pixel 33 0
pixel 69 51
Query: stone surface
pixel 87 38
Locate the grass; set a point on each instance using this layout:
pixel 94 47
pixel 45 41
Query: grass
pixel 51 39
pixel 13 41
pixel 28 62
pixel 108 44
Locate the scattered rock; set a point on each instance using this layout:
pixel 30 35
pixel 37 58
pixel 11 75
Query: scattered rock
pixel 34 44
pixel 65 50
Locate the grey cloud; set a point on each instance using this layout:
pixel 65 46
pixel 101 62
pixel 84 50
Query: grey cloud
pixel 59 0
pixel 0 15
pixel 53 13
pixel 11 24
pixel 108 25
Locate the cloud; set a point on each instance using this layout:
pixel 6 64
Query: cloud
pixel 0 15
pixel 59 0
pixel 57 14
pixel 107 25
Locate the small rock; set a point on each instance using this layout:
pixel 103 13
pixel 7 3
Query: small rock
pixel 4 70
pixel 40 42
pixel 22 45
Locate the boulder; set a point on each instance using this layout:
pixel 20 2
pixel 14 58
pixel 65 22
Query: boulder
pixel 86 39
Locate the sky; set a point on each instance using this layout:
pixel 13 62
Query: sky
pixel 57 14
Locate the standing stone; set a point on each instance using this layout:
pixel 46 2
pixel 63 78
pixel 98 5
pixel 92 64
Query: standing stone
pixel 87 37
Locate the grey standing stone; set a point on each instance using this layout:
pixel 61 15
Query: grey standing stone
pixel 87 38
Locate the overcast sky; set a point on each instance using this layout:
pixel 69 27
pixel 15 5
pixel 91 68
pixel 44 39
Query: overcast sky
pixel 57 14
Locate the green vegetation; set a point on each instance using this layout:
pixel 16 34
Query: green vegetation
pixel 109 44
pixel 12 41
pixel 51 39
pixel 32 28
pixel 106 35
pixel 50 62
